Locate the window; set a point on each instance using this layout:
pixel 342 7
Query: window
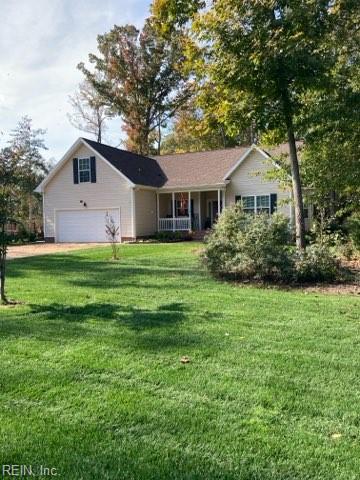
pixel 84 170
pixel 256 204
pixel 263 204
pixel 249 204
pixel 181 208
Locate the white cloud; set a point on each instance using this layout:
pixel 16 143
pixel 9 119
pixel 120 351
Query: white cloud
pixel 41 42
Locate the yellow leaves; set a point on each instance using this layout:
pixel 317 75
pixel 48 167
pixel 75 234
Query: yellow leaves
pixel 255 59
pixel 297 36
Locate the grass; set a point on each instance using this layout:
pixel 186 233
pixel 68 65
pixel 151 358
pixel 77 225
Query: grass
pixel 92 384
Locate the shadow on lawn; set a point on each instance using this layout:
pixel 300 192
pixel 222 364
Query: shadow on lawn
pixel 146 328
pixel 81 271
pixel 132 317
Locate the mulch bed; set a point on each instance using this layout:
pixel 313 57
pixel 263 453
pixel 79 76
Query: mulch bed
pixel 349 286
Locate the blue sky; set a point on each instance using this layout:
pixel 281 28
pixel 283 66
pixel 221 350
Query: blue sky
pixel 42 41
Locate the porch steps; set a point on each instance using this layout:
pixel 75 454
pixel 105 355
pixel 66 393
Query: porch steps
pixel 199 234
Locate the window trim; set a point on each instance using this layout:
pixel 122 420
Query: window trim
pixel 88 169
pixel 257 210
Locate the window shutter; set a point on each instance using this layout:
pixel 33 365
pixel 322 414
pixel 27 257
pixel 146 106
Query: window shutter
pixel 237 198
pixel 273 202
pixel 76 170
pixel 93 169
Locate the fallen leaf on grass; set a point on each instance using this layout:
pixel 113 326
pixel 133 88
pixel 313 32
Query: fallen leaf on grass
pixel 185 359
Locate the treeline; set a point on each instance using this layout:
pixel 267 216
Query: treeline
pixel 22 168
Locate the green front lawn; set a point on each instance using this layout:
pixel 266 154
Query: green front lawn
pixel 92 384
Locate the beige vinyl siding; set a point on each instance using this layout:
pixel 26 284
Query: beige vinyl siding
pixel 145 212
pixel 109 191
pixel 244 182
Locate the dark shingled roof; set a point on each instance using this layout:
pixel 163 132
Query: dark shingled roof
pixel 137 168
pixel 177 170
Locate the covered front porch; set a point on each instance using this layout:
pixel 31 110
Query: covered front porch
pixel 189 210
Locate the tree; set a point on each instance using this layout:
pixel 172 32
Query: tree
pixel 331 165
pixel 22 167
pixel 10 166
pixel 271 52
pixel 26 144
pixel 331 123
pixel 112 231
pixel 193 131
pixel 137 75
pixel 89 111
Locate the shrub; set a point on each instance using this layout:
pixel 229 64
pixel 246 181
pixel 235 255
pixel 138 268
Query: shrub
pixel 168 237
pixel 242 246
pixel 249 247
pixel 316 264
pixel 353 225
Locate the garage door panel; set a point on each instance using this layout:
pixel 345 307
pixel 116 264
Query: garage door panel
pixel 83 225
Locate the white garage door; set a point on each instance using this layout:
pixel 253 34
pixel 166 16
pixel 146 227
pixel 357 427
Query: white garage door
pixel 84 225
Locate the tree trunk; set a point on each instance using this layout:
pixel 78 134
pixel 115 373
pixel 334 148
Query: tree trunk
pixel 30 203
pixel 2 277
pixel 99 126
pixel 332 203
pixel 159 138
pixel 295 170
pixel 297 192
pixel 144 142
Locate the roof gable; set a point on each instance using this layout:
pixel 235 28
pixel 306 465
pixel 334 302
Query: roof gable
pixel 135 169
pixel 241 160
pixel 138 169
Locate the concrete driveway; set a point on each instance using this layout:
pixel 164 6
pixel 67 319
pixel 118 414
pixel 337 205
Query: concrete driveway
pixel 41 248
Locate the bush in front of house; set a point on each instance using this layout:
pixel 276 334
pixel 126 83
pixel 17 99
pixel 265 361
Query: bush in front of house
pixel 257 247
pixel 169 237
pixel 242 246
pixel 316 264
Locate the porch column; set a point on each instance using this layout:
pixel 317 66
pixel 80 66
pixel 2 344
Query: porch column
pixel 173 210
pixel 223 198
pixel 189 209
pixel 158 209
pixel 200 225
pixel 219 201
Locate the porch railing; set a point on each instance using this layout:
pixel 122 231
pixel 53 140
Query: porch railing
pixel 174 224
